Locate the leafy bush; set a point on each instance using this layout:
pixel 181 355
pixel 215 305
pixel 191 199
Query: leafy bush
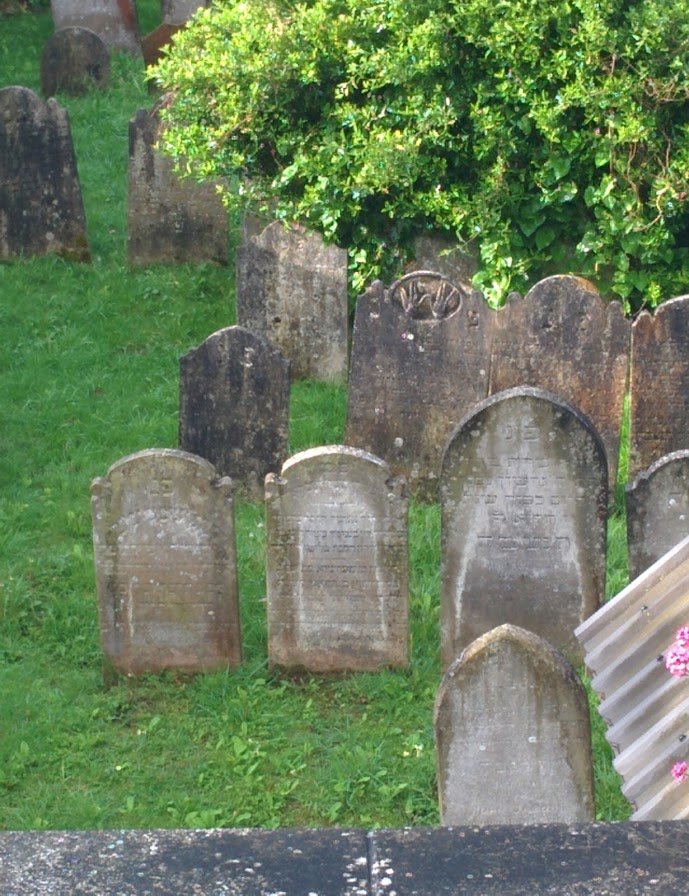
pixel 545 135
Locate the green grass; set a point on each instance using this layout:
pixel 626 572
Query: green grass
pixel 89 373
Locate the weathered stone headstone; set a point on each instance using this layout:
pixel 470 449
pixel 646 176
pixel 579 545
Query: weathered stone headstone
pixel 657 511
pixel 41 209
pixel 645 707
pixel 513 742
pixel 292 289
pixel 336 565
pixel 170 219
pixel 176 12
pixel 523 503
pixel 659 384
pixel 115 21
pixel 73 61
pixel 164 544
pixel 234 407
pixel 420 362
pixel 564 338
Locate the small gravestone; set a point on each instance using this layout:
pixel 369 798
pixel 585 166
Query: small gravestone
pixel 564 338
pixel 114 21
pixel 513 742
pixel 659 384
pixel 292 289
pixel 170 220
pixel 523 502
pixel 41 209
pixel 74 60
pixel 176 12
pixel 234 407
pixel 336 566
pixel 164 545
pixel 420 362
pixel 657 511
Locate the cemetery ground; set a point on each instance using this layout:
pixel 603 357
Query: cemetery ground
pixel 89 374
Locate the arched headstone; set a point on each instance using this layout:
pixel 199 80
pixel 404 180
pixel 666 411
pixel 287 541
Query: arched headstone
pixel 73 61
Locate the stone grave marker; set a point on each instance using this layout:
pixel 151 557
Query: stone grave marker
pixel 41 209
pixel 659 384
pixel 523 508
pixel 170 220
pixel 153 44
pixel 420 362
pixel 292 289
pixel 443 255
pixel 114 21
pixel 646 708
pixel 177 12
pixel 234 407
pixel 336 565
pixel 564 338
pixel 513 741
pixel 73 61
pixel 657 510
pixel 164 545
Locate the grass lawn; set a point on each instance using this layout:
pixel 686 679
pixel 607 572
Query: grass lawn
pixel 89 373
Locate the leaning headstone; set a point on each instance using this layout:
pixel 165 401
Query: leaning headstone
pixel 234 407
pixel 336 565
pixel 657 511
pixel 154 43
pixel 420 362
pixel 170 219
pixel 523 504
pixel 659 384
pixel 115 21
pixel 512 730
pixel 41 209
pixel 176 12
pixel 164 545
pixel 292 289
pixel 564 338
pixel 74 60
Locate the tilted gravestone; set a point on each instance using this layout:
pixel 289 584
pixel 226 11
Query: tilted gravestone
pixel 292 289
pixel 420 362
pixel 659 384
pixel 657 510
pixel 523 505
pixel 176 12
pixel 336 564
pixel 41 209
pixel 645 707
pixel 170 219
pixel 73 61
pixel 564 338
pixel 513 742
pixel 115 21
pixel 164 545
pixel 154 43
pixel 234 407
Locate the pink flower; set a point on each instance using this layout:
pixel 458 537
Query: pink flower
pixel 677 660
pixel 682 636
pixel 679 771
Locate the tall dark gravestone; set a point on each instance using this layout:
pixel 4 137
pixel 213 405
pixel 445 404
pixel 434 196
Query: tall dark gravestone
pixel 114 21
pixel 170 220
pixel 523 504
pixel 659 388
pixel 421 354
pixel 563 337
pixel 73 61
pixel 234 407
pixel 41 208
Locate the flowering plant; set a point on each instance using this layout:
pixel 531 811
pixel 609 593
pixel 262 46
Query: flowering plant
pixel 677 663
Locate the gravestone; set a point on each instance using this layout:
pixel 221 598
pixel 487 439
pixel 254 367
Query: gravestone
pixel 153 44
pixel 41 209
pixel 564 338
pixel 170 220
pixel 234 407
pixel 176 12
pixel 73 61
pixel 420 362
pixel 437 252
pixel 336 564
pixel 513 741
pixel 114 21
pixel 657 510
pixel 646 708
pixel 164 545
pixel 523 504
pixel 292 289
pixel 659 384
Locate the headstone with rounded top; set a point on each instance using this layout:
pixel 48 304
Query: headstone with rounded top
pixel 74 60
